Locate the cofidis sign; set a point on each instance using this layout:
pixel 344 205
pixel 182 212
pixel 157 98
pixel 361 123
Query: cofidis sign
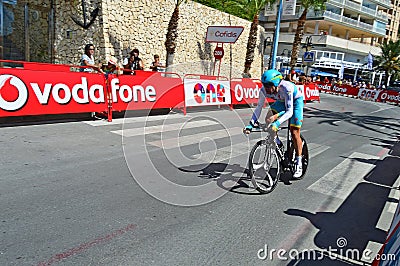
pixel 223 34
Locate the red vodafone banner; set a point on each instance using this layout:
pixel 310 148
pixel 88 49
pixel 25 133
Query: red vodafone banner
pixel 245 91
pixel 311 92
pixel 389 96
pixel 342 89
pixel 146 90
pixel 35 92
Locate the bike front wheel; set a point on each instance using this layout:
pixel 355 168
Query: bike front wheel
pixel 264 167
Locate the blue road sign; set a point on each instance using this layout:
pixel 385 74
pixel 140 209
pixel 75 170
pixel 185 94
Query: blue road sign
pixel 309 57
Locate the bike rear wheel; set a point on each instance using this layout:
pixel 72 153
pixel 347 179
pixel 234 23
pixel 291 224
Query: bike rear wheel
pixel 264 167
pixel 292 154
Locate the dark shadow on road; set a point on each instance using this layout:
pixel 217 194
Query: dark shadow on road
pixel 357 218
pixel 225 174
pixel 376 123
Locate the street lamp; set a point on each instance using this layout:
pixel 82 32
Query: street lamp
pixel 308 44
pixel 267 51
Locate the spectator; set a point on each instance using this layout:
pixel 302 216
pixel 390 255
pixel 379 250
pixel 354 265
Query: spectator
pixel 111 67
pixel 156 64
pixel 293 77
pixel 133 62
pixel 302 80
pixel 87 59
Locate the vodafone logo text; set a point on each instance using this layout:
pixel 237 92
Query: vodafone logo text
pixel 312 92
pixel 7 83
pixel 389 97
pixel 246 93
pixel 15 93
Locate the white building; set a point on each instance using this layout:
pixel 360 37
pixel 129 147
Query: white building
pixel 345 33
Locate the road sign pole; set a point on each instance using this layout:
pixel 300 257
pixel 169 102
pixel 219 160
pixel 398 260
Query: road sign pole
pixel 276 35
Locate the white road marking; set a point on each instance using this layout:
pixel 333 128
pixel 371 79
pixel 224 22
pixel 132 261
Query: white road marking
pixel 130 120
pixel 196 138
pixel 131 132
pixel 343 178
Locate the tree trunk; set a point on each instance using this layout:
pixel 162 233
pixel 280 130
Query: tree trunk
pixel 171 37
pixel 251 44
pixel 170 60
pixel 297 39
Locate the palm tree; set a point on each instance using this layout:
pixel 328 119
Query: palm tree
pixel 251 8
pixel 389 60
pixel 307 5
pixel 172 33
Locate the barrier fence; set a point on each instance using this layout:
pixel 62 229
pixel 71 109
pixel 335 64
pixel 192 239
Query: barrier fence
pixel 30 88
pixel 362 93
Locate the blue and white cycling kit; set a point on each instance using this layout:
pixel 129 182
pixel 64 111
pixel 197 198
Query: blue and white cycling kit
pixel 289 103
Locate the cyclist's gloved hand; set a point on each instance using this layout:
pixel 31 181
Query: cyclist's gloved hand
pixel 274 126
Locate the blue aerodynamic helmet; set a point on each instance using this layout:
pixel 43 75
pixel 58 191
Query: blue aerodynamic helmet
pixel 271 76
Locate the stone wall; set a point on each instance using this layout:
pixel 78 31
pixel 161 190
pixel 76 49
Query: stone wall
pixel 125 24
pixel 38 25
pixel 70 38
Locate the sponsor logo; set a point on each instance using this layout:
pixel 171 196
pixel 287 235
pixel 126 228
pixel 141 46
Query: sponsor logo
pixel 210 94
pixel 9 85
pixel 339 89
pixel 14 93
pixel 311 92
pixel 387 97
pixel 368 94
pixel 225 34
pixel 246 93
pixel 325 87
pixel 127 93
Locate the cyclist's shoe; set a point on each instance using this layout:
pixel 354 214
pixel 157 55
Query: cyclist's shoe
pixel 251 127
pixel 298 170
pixel 256 125
pixel 247 130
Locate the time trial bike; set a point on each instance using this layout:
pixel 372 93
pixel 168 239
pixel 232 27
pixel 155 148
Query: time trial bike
pixel 267 160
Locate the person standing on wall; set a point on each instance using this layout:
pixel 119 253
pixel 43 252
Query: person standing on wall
pixel 87 60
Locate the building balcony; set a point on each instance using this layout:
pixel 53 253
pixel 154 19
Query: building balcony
pixel 384 3
pixel 348 21
pixel 334 43
pixel 359 8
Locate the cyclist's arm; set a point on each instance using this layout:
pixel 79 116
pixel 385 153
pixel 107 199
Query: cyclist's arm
pixel 260 104
pixel 283 116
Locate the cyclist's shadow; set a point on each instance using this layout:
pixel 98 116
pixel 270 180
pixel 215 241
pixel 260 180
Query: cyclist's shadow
pixel 231 177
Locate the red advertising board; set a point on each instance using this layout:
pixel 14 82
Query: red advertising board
pixel 311 92
pixel 146 90
pixel 246 91
pixel 389 96
pixel 342 89
pixel 30 92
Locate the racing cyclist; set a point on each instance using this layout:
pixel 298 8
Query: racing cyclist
pixel 288 105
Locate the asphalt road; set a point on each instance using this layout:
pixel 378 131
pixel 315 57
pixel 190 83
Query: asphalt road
pixel 172 190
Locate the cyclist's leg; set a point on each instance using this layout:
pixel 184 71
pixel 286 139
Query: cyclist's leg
pixel 296 122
